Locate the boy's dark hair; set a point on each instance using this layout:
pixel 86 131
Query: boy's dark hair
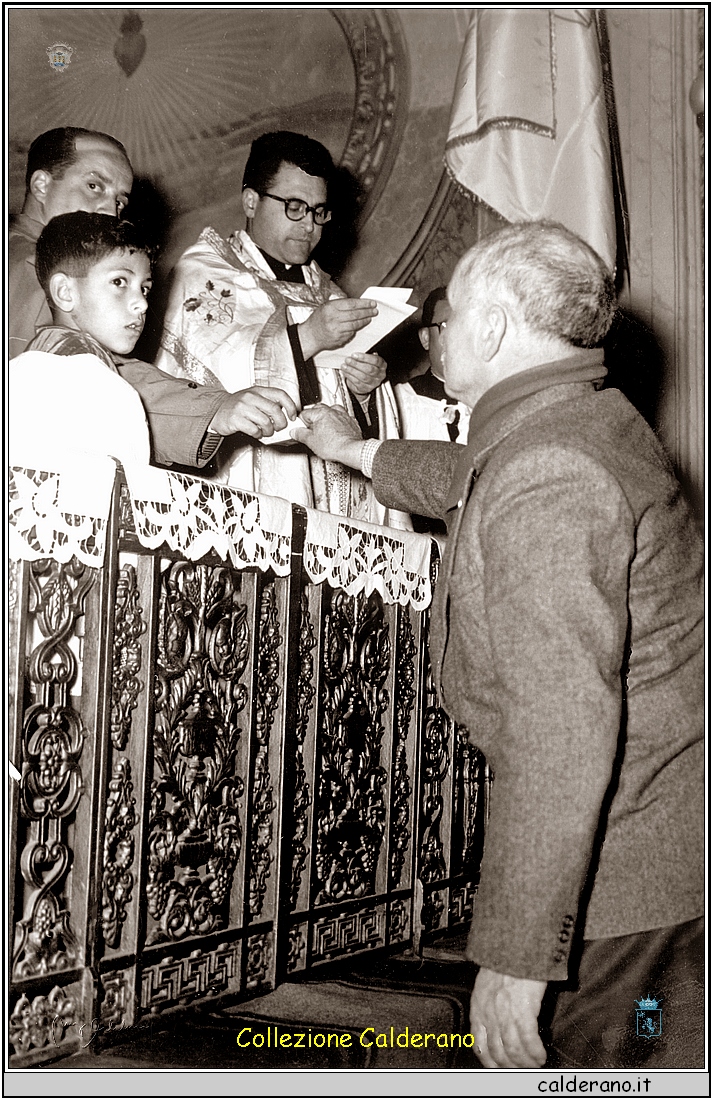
pixel 270 151
pixel 56 150
pixel 438 294
pixel 75 242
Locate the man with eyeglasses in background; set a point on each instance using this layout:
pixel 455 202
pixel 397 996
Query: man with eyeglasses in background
pixel 254 307
pixel 425 409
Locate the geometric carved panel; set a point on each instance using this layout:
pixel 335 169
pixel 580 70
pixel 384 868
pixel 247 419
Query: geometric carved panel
pixel 201 972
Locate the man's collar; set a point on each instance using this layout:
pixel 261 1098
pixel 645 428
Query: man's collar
pixel 585 365
pixel 511 401
pixel 286 273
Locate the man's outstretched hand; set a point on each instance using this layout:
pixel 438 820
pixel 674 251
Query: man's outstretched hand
pixel 257 412
pixel 503 1020
pixel 332 434
pixel 333 324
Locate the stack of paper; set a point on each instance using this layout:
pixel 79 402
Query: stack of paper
pixel 393 309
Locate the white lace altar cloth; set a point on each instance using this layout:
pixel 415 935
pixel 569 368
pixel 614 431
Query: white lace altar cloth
pixel 63 513
pixel 194 516
pixel 363 557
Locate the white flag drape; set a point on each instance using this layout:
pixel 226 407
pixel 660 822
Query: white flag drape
pixel 528 131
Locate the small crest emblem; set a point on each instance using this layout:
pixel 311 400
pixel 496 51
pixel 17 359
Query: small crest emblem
pixel 59 56
pixel 648 1018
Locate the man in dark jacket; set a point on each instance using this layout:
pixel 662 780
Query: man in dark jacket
pixel 72 169
pixel 567 636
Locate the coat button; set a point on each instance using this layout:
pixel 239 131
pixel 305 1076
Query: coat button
pixel 192 385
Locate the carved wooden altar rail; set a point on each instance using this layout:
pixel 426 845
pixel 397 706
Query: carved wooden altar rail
pixel 229 777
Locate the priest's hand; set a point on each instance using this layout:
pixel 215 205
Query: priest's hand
pixel 503 1020
pixel 333 324
pixel 332 434
pixel 363 373
pixel 257 412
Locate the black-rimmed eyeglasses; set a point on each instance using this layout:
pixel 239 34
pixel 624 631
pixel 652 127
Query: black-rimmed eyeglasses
pixel 296 209
pixel 440 325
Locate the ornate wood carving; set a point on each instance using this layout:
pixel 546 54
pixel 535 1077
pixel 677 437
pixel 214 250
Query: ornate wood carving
pixel 348 933
pixel 200 973
pixel 194 832
pixel 118 880
pixel 305 697
pixel 297 950
pixel 461 907
pixel 51 786
pixel 401 782
pixel 127 527
pixel 435 761
pixel 268 694
pixel 42 1021
pixel 399 921
pixel 350 798
pixel 434 904
pixel 469 784
pixel 259 959
pixel 129 625
pixel 115 1007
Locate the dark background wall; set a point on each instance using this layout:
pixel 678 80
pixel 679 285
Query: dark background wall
pixel 187 90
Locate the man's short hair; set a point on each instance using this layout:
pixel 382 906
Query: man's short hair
pixel 438 294
pixel 73 243
pixel 560 285
pixel 56 150
pixel 270 151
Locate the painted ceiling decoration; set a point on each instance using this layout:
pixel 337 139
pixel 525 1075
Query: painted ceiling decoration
pixel 185 93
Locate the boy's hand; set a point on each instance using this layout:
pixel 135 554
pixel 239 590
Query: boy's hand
pixel 364 372
pixel 332 434
pixel 256 412
pixel 333 324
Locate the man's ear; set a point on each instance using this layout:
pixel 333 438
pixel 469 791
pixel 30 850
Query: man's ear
pixel 493 329
pixel 425 337
pixel 40 182
pixel 250 200
pixel 62 291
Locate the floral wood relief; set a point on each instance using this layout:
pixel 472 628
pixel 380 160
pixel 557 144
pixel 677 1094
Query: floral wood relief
pixel 435 761
pixel 118 879
pixel 51 787
pixel 42 1021
pixel 195 836
pixel 305 697
pixel 350 804
pixel 129 625
pixel 401 782
pixel 268 696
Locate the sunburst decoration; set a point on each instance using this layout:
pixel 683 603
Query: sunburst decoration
pixel 164 81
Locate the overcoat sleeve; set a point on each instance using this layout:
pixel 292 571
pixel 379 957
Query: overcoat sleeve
pixel 414 476
pixel 556 536
pixel 178 412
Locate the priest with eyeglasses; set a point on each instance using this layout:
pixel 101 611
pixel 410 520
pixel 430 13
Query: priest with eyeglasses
pixel 256 310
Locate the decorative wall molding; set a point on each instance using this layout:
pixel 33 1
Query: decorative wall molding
pixel 380 58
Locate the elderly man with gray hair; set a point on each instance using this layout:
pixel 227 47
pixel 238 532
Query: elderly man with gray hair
pixel 567 636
